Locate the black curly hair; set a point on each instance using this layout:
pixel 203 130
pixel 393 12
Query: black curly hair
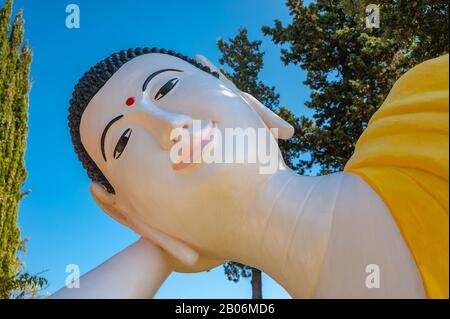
pixel 90 83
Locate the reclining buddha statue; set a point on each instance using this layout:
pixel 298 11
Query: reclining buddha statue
pixel 316 236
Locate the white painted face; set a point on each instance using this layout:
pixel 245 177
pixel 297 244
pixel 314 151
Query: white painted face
pixel 133 111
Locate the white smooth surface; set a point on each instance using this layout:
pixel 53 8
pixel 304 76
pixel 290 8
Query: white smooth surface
pixel 136 272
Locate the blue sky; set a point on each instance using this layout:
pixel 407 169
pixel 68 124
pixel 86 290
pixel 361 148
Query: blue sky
pixel 59 216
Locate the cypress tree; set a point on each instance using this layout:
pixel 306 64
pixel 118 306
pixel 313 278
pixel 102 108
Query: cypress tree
pixel 15 60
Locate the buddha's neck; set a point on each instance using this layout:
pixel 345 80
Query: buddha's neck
pixel 286 229
pixel 311 234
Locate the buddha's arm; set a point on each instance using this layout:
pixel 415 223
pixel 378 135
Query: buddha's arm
pixel 136 272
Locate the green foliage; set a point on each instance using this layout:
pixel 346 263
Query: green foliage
pixel 350 68
pixel 235 271
pixel 15 59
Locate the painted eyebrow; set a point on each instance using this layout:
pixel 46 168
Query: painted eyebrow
pixel 151 76
pixel 102 140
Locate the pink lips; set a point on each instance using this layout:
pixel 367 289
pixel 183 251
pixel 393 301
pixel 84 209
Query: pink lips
pixel 196 142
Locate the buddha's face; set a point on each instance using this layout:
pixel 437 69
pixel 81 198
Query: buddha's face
pixel 128 127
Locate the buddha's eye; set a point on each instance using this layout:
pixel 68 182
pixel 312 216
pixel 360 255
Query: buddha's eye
pixel 166 88
pixel 122 143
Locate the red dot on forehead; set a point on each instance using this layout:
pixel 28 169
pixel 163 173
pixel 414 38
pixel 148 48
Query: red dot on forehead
pixel 130 101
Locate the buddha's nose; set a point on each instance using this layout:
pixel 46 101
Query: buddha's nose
pixel 161 123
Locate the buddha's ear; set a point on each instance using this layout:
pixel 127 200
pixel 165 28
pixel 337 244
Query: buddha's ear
pixel 174 247
pixel 107 202
pixel 178 249
pixel 272 120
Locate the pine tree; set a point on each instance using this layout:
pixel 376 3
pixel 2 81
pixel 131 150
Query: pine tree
pixel 15 59
pixel 244 60
pixel 351 68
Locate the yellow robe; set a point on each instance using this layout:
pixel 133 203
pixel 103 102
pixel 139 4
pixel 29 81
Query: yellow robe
pixel 403 156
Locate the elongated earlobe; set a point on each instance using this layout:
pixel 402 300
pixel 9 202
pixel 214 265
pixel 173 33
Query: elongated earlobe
pixel 272 120
pixel 174 247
